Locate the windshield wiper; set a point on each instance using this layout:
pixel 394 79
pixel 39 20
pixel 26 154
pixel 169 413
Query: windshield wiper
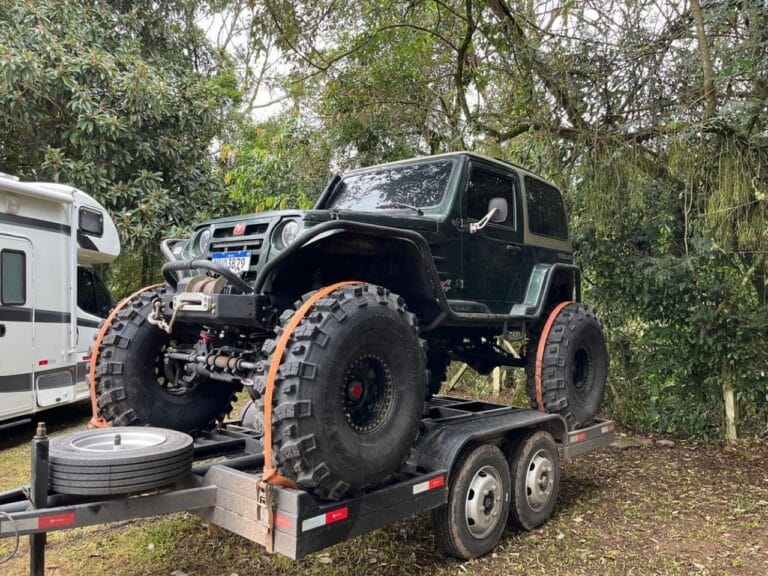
pixel 418 210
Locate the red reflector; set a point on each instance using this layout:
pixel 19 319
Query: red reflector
pixel 56 520
pixel 436 482
pixel 611 427
pixel 336 515
pixel 86 358
pixel 42 362
pixel 239 229
pixel 283 522
pixel 581 437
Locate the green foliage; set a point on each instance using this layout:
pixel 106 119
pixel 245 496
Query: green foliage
pixel 122 101
pixel 280 163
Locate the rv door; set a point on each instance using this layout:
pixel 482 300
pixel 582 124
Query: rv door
pixel 17 309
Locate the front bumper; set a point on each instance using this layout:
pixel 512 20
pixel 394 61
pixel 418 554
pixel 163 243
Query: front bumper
pixel 249 310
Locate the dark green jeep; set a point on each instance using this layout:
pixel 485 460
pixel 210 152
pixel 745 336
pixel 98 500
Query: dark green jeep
pixel 435 258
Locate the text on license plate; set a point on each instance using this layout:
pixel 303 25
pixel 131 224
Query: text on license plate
pixel 238 262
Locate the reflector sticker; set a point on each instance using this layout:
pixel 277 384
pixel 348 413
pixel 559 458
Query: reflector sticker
pixel 433 484
pixel 580 437
pixel 608 428
pixel 325 519
pixel 283 522
pixel 56 520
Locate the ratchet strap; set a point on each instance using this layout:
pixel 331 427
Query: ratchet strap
pixel 270 475
pixel 540 353
pixel 96 420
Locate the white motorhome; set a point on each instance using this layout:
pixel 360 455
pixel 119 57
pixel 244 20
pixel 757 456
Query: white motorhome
pixel 51 300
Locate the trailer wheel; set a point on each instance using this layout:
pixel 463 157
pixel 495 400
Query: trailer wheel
pixel 120 460
pixel 349 393
pixel 138 387
pixel 471 523
pixel 574 366
pixel 535 467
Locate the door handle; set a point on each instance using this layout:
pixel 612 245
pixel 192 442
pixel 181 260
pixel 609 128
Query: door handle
pixel 2 330
pixel 514 248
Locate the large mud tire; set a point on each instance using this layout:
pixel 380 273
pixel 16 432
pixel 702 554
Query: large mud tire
pixel 129 387
pixel 349 393
pixel 574 366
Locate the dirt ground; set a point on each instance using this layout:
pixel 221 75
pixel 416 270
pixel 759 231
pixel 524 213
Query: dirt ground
pixel 675 507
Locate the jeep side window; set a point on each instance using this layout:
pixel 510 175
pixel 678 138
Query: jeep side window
pixel 546 213
pixel 482 187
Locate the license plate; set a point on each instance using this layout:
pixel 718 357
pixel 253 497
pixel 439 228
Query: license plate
pixel 237 262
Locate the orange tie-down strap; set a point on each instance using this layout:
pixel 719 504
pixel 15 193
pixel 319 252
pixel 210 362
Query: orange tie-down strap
pixel 270 474
pixel 540 353
pixel 96 420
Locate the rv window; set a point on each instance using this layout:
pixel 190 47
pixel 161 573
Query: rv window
pixel 13 277
pixel 92 294
pixel 91 222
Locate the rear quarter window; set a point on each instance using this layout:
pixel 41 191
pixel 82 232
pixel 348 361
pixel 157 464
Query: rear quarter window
pixel 546 213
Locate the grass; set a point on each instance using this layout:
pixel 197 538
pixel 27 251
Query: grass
pixel 690 508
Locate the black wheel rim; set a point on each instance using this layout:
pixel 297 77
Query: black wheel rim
pixel 170 374
pixel 367 394
pixel 581 372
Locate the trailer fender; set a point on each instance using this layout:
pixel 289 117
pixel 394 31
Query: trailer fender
pixel 441 446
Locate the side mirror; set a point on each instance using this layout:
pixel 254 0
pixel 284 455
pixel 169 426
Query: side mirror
pixel 502 209
pixel 497 212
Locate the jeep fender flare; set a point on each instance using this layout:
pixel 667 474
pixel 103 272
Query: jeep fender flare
pixel 412 242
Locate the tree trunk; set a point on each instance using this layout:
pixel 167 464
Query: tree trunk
pixel 710 96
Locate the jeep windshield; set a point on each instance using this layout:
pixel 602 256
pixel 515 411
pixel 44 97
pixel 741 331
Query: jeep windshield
pixel 415 185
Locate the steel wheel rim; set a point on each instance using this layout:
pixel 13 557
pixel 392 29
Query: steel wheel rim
pixel 483 502
pixel 367 395
pixel 111 441
pixel 540 480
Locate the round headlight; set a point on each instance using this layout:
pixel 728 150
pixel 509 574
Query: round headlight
pixel 289 232
pixel 202 241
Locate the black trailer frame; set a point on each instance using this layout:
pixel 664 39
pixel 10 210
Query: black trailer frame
pixel 225 485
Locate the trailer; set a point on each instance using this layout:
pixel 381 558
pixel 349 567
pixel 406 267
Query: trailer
pixel 453 471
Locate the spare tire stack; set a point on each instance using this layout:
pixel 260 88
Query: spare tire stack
pixel 122 460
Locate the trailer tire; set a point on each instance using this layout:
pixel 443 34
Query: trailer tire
pixel 535 467
pixel 574 366
pixel 88 463
pixel 467 527
pixel 349 393
pixel 130 375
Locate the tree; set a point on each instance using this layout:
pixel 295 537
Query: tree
pixel 121 99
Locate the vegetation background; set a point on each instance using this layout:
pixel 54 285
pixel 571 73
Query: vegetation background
pixel 652 115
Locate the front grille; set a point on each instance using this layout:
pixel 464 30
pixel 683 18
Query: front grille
pixel 253 239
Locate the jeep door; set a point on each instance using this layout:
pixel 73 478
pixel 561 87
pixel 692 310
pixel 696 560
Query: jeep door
pixel 492 257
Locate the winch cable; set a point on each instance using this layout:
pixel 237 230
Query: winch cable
pixel 96 420
pixel 540 353
pixel 270 475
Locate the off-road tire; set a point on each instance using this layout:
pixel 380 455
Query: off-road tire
pixel 574 366
pixel 129 393
pixel 333 432
pixel 533 458
pixel 453 527
pixel 108 471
